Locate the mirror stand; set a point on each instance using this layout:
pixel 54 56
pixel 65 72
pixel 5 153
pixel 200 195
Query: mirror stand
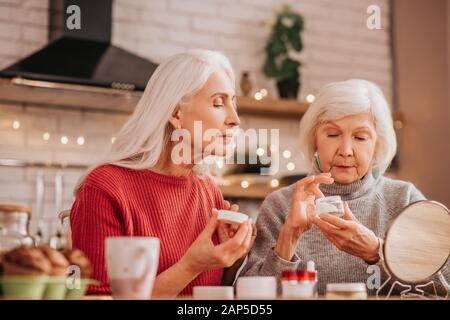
pixel 415 292
pixel 444 282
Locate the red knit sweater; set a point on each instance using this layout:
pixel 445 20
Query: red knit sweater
pixel 116 201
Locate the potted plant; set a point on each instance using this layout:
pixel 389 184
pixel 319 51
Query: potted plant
pixel 279 64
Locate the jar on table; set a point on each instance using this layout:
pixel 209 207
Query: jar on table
pixel 14 223
pixel 352 291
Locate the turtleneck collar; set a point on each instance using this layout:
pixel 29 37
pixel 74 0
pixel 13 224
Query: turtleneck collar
pixel 351 190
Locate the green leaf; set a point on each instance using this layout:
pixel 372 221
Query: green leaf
pixel 270 69
pixel 276 47
pixel 285 37
pixel 294 39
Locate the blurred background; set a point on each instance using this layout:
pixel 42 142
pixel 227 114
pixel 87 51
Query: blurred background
pixel 64 96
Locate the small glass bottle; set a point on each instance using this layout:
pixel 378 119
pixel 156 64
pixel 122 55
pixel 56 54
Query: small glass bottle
pixel 312 274
pixel 14 220
pixel 246 84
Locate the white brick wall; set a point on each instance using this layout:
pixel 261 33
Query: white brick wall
pixel 337 43
pixel 23 28
pixel 337 46
pixel 18 185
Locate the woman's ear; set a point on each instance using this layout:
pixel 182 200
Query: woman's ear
pixel 175 118
pixel 376 150
pixel 374 165
pixel 317 161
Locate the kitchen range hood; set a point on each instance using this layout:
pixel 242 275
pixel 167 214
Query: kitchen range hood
pixel 79 67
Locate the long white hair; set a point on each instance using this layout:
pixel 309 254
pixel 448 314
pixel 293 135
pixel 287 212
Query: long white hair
pixel 140 142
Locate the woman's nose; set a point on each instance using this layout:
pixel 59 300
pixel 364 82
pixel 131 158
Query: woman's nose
pixel 232 119
pixel 346 149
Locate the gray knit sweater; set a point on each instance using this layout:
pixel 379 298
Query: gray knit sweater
pixel 374 202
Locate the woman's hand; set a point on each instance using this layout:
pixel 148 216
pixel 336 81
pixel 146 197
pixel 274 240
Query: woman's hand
pixel 301 213
pixel 227 230
pixel 349 235
pixel 203 255
pixel 302 201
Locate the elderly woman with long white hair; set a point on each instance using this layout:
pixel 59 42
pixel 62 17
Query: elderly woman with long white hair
pixel 348 140
pixel 143 189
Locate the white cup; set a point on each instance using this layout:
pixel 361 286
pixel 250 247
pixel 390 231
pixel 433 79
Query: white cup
pixel 256 288
pixel 213 293
pixel 132 263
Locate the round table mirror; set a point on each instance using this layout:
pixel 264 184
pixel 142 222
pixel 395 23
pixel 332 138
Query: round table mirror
pixel 417 244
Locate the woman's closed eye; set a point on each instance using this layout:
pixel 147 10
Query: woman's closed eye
pixel 362 136
pixel 332 135
pixel 218 102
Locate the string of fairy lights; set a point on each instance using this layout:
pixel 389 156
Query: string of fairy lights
pixel 274 183
pixel 80 140
pixel 63 138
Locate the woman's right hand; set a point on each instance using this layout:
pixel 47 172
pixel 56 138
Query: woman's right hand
pixel 306 191
pixel 300 215
pixel 203 255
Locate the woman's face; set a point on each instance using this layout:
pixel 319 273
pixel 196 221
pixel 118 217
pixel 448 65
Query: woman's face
pixel 346 146
pixel 214 107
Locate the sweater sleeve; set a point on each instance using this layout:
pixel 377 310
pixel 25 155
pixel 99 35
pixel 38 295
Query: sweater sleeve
pixel 95 215
pixel 262 260
pixel 414 194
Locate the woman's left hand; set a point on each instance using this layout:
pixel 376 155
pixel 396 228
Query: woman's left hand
pixel 227 230
pixel 349 235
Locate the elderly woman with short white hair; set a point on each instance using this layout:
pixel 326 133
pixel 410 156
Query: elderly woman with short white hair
pixel 348 140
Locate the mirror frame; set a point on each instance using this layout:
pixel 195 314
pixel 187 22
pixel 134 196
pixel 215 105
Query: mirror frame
pixel 386 264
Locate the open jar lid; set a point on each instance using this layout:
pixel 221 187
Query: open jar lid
pixel 330 199
pixel 346 287
pixel 13 208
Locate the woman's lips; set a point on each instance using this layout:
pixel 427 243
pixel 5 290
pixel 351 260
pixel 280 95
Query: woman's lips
pixel 344 167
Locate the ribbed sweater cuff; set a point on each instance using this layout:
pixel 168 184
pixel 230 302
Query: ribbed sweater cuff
pixel 278 264
pixel 274 265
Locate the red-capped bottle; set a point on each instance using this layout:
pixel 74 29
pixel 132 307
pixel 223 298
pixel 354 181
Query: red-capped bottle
pixel 289 276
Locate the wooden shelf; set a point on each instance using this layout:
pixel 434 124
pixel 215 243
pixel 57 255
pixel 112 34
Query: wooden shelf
pixel 271 107
pixel 257 192
pixel 87 98
pixel 284 108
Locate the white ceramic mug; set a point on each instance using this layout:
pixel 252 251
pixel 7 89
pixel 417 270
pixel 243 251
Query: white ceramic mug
pixel 132 263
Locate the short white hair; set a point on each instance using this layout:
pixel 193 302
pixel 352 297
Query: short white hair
pixel 340 99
